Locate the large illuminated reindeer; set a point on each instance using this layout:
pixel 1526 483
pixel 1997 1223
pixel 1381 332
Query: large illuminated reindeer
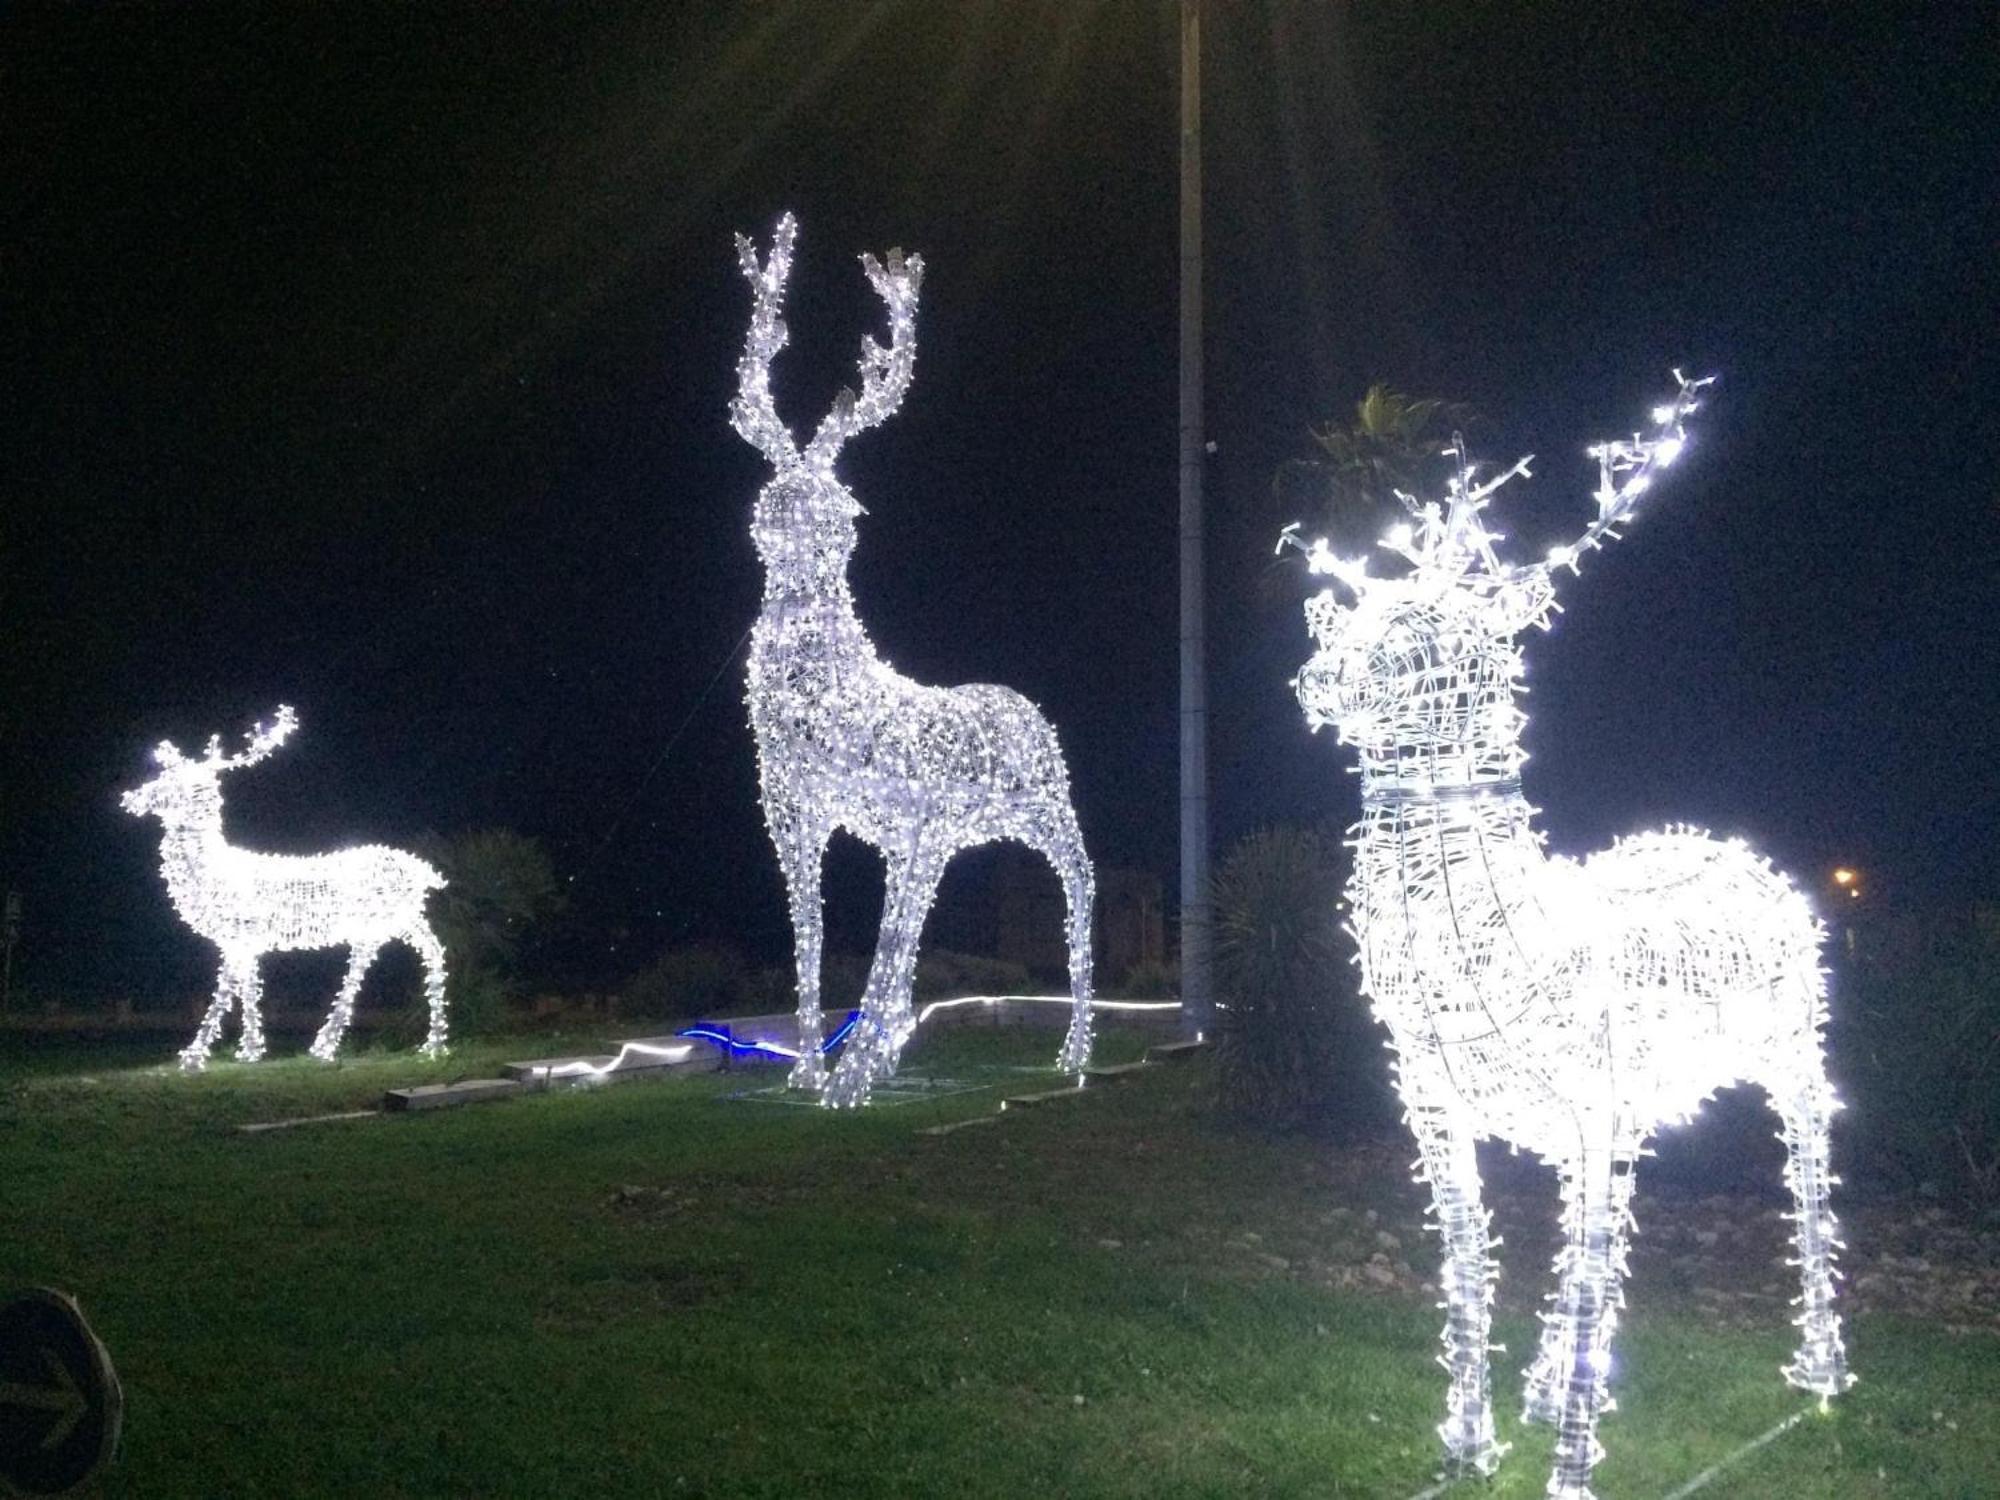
pixel 250 904
pixel 1571 1009
pixel 843 741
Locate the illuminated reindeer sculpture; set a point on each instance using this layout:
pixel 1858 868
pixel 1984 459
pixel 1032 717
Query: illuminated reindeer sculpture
pixel 250 904
pixel 1571 1009
pixel 843 741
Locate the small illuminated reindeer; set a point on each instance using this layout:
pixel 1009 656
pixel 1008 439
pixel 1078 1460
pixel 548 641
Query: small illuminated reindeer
pixel 1571 1009
pixel 843 741
pixel 250 904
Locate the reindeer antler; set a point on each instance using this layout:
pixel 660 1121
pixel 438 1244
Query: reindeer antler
pixel 1625 472
pixel 258 744
pixel 885 373
pixel 752 412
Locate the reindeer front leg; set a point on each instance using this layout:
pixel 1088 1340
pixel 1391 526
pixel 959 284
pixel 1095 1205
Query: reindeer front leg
pixel 886 1018
pixel 228 987
pixel 802 851
pixel 326 1045
pixel 250 996
pixel 1597 1215
pixel 1467 1277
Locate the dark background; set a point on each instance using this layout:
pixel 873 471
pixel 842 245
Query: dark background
pixel 375 359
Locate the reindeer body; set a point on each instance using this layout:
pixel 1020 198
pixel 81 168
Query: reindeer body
pixel 249 904
pixel 846 742
pixel 1569 1008
pixel 1646 964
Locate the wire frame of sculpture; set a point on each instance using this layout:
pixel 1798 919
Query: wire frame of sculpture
pixel 844 741
pixel 249 904
pixel 1570 1008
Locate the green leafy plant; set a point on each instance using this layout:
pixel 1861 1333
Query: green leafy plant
pixel 696 980
pixel 501 890
pixel 1149 980
pixel 1392 443
pixel 1294 1045
pixel 1916 1037
pixel 944 975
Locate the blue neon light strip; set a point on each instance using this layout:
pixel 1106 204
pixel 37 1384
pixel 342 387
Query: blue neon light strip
pixel 721 1038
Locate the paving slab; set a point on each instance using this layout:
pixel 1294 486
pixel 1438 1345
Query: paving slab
pixel 1023 1101
pixel 450 1095
pixel 1117 1070
pixel 346 1114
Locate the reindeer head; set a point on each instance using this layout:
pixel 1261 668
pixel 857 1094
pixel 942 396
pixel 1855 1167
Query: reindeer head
pixel 188 788
pixel 1426 665
pixel 803 525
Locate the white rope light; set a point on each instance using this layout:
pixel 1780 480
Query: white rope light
pixel 250 904
pixel 1571 1009
pixel 987 1001
pixel 843 741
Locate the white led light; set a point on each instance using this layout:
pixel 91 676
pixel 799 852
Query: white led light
pixel 845 742
pixel 961 1001
pixel 250 904
pixel 1569 1008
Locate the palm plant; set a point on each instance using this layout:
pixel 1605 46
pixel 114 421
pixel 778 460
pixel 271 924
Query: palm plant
pixel 1392 443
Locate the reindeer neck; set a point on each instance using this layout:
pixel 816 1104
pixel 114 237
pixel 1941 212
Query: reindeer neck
pixel 190 851
pixel 1458 810
pixel 817 623
pixel 1487 754
pixel 1468 850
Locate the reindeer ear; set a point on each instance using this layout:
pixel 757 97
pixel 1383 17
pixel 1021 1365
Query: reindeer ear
pixel 1526 600
pixel 1326 619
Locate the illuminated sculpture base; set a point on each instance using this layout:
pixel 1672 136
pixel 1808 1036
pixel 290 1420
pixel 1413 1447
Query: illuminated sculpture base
pixel 249 904
pixel 1571 1009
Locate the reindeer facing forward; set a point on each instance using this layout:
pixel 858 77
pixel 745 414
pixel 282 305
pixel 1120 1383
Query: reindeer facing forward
pixel 250 904
pixel 845 742
pixel 1569 1008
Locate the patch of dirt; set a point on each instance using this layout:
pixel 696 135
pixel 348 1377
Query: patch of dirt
pixel 1729 1253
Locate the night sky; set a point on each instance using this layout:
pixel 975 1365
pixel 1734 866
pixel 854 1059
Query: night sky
pixel 375 360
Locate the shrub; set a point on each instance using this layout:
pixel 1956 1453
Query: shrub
pixel 1295 1046
pixel 693 981
pixel 945 975
pixel 501 889
pixel 1149 980
pixel 1916 1041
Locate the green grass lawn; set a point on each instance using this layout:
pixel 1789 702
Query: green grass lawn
pixel 656 1290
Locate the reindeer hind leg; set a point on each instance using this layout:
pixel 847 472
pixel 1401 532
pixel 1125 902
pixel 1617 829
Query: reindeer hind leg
pixel 431 952
pixel 1806 1104
pixel 1059 840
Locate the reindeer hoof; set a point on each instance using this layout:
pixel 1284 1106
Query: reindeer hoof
pixel 808 1073
pixel 1471 1453
pixel 846 1090
pixel 1810 1370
